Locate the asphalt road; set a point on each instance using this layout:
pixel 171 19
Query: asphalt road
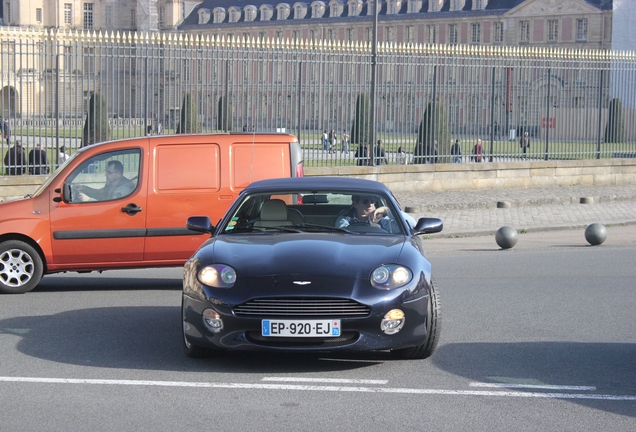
pixel 538 337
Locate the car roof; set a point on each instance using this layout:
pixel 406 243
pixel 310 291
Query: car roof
pixel 318 183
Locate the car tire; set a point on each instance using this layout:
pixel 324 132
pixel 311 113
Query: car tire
pixel 191 350
pixel 21 267
pixel 434 327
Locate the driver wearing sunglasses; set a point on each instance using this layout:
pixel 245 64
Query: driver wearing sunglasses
pixel 363 210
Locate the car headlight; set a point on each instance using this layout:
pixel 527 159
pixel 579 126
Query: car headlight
pixel 390 276
pixel 217 276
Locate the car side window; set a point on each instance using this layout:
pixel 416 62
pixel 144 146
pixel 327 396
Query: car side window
pixel 106 177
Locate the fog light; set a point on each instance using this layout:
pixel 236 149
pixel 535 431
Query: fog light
pixel 393 322
pixel 212 321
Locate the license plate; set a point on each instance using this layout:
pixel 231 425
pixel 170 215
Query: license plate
pixel 301 328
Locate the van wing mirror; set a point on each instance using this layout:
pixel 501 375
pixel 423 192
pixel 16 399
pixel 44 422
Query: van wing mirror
pixel 200 224
pixel 67 193
pixel 428 226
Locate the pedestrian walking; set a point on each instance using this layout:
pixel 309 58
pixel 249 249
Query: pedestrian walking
pixel 345 141
pixel 478 152
pixel 456 152
pixel 38 162
pixel 6 131
pixel 401 156
pixel 333 138
pixel 524 143
pixel 14 159
pixel 325 140
pixel 62 156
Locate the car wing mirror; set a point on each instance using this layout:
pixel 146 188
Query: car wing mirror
pixel 428 226
pixel 200 224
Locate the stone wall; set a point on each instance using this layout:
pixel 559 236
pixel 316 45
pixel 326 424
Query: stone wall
pixel 440 177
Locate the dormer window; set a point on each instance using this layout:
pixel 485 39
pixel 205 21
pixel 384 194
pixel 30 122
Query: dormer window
pixel 393 7
pixel 413 6
pixel 204 16
pixel 355 7
pixel 335 8
pixel 457 5
pixel 235 14
pixel 219 15
pixel 479 4
pixel 435 5
pixel 267 11
pixel 250 13
pixel 300 10
pixel 283 11
pixel 317 9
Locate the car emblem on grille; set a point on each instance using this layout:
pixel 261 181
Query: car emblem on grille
pixel 302 282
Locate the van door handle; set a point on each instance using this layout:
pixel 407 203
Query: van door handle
pixel 131 209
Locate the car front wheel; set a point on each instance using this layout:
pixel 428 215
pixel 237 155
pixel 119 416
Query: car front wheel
pixel 433 326
pixel 21 267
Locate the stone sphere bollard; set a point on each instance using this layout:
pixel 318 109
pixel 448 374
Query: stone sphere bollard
pixel 506 237
pixel 595 233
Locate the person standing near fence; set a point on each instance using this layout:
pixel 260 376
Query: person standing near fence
pixel 418 154
pixel 38 162
pixel 456 152
pixel 362 155
pixel 14 159
pixel 524 143
pixel 345 141
pixel 325 140
pixel 380 154
pixel 478 151
pixel 333 138
pixel 62 156
pixel 401 156
pixel 6 131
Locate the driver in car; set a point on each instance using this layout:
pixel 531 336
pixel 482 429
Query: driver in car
pixel 363 211
pixel 117 185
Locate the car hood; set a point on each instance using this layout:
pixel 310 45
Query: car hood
pixel 303 253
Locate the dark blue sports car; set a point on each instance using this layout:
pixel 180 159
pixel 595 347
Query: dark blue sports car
pixel 312 264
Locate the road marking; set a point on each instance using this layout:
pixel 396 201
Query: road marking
pixel 321 388
pixel 325 380
pixel 532 386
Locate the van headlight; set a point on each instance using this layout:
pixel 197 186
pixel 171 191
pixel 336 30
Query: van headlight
pixel 390 276
pixel 217 276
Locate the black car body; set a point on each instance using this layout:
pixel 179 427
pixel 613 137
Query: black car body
pixel 296 279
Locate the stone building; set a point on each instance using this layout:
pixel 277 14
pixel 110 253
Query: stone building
pixel 576 24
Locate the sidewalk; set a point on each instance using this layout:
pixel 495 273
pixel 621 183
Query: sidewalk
pixel 476 212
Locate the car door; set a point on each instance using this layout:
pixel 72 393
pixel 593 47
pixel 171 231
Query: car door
pixel 99 222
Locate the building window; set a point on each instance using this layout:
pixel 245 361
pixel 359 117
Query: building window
pixel 479 5
pixel 553 30
pixel 350 34
pixel 162 16
pixel 38 15
pixel 475 33
pixel 499 32
pixel 68 13
pixel 279 35
pixel 390 34
pixel 452 34
pixel 133 19
pixel 581 29
pixel 108 19
pixel 410 34
pixel 7 13
pixel 89 19
pixel 250 14
pixel 331 34
pixel 262 36
pixel 313 36
pixel 295 35
pixel 432 33
pixel 369 32
pixel 524 32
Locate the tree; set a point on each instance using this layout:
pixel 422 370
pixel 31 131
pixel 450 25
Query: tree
pixel 189 121
pixel 96 126
pixel 427 134
pixel 220 122
pixel 615 129
pixel 360 127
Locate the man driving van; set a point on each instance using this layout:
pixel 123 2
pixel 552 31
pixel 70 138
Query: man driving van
pixel 117 185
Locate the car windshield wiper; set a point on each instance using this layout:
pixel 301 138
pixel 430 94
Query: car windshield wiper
pixel 283 228
pixel 323 228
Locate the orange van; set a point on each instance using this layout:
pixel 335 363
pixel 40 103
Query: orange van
pixel 124 204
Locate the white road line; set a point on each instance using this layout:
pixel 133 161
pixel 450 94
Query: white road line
pixel 322 388
pixel 325 380
pixel 532 386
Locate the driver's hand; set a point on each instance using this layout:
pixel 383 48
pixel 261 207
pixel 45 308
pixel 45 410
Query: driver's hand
pixel 379 213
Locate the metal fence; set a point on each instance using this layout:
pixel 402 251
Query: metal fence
pixel 572 104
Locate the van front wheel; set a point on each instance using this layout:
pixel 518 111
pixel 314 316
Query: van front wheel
pixel 21 267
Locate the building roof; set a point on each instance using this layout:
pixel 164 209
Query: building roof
pixel 493 6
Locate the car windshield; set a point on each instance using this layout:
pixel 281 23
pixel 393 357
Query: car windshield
pixel 325 211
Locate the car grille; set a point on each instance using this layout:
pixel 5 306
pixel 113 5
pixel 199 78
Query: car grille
pixel 302 307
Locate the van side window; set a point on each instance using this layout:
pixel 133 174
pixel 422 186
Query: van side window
pixel 105 177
